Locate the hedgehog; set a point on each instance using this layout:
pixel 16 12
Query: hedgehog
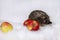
pixel 40 16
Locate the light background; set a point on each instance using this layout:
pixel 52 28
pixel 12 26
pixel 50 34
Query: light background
pixel 16 11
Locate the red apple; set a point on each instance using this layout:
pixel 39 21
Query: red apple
pixel 31 24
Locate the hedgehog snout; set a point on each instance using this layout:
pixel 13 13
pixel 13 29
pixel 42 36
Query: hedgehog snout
pixel 47 22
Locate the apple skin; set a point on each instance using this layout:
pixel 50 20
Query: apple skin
pixel 32 25
pixel 28 21
pixel 5 27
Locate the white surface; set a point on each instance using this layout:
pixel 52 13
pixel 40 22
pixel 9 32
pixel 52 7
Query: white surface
pixel 16 11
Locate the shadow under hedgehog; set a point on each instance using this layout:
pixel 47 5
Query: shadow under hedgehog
pixel 40 16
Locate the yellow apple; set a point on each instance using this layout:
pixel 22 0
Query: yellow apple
pixel 5 27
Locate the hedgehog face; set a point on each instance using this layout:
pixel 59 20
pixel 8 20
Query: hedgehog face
pixel 47 21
